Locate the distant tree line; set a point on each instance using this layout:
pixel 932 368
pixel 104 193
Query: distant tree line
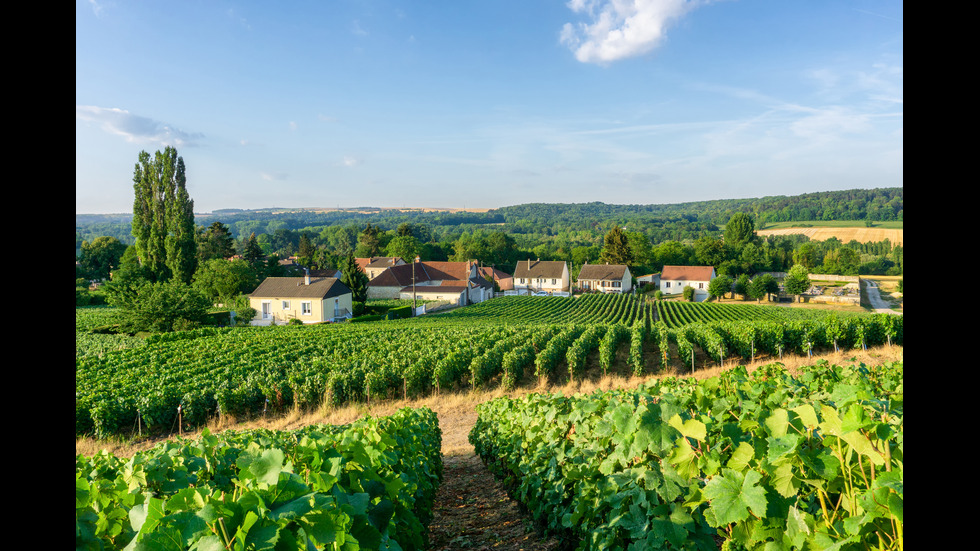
pixel 233 251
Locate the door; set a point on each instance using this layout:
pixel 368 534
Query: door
pixel 266 310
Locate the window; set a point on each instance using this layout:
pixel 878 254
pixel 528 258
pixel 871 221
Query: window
pixel 306 308
pixel 554 281
pixel 700 285
pixel 522 280
pixel 285 305
pixel 617 283
pixel 668 284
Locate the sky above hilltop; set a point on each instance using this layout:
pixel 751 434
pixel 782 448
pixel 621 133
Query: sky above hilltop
pixel 390 103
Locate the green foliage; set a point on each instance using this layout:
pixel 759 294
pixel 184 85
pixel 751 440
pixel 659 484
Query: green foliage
pixel 739 230
pixel 354 278
pixel 797 281
pixel 163 217
pixel 100 256
pixel 762 461
pixel 617 248
pixel 720 286
pixel 498 340
pixel 367 485
pixel 159 306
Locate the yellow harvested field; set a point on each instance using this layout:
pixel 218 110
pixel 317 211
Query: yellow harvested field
pixel 861 235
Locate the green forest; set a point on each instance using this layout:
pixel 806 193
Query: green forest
pixel 684 233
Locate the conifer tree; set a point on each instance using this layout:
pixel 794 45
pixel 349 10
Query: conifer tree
pixel 617 248
pixel 354 278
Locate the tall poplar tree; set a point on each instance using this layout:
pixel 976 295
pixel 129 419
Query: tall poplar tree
pixel 163 217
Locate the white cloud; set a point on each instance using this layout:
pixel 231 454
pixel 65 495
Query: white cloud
pixel 619 29
pixel 274 176
pixel 135 128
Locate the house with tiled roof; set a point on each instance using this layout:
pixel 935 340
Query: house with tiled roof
pixel 373 266
pixel 605 278
pixel 673 279
pixel 309 299
pixel 455 282
pixel 504 281
pixel 533 276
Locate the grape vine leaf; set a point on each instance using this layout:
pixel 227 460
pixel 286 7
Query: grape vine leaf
pixel 733 494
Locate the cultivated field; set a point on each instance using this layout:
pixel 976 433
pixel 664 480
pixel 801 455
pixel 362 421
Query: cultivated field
pixel 376 431
pixel 860 234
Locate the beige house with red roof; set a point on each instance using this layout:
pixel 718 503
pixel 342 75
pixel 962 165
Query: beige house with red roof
pixel 534 276
pixel 455 282
pixel 605 278
pixel 673 279
pixel 309 299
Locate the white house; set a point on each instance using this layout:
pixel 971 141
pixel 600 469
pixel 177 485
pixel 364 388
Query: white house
pixel 532 276
pixel 605 278
pixel 673 279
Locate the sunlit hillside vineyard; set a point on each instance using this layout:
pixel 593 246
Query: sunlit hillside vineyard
pixel 190 377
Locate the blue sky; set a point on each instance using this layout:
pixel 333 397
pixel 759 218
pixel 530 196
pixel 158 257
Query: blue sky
pixel 485 104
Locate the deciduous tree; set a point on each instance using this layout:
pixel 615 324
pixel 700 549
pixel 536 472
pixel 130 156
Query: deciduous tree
pixel 163 217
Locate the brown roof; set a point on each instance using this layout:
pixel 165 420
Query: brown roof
pixel 325 273
pixel 687 273
pixel 498 275
pixel 295 287
pixel 539 268
pixel 614 272
pixel 377 261
pixel 401 275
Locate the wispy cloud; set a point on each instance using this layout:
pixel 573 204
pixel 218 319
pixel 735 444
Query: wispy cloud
pixel 135 128
pixel 239 19
pixel 96 7
pixel 618 29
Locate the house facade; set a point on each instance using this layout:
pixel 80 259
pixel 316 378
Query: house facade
pixel 456 282
pixel 375 265
pixel 533 276
pixel 673 279
pixel 605 278
pixel 308 299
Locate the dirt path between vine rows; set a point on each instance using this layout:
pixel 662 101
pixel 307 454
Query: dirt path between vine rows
pixel 472 509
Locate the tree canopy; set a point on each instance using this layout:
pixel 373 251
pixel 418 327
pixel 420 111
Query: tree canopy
pixel 163 217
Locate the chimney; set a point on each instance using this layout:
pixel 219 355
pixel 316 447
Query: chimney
pixel 307 270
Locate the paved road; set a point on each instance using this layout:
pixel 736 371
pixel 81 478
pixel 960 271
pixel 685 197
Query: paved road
pixel 874 296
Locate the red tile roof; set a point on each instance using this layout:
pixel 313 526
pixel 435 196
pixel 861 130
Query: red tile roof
pixel 686 273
